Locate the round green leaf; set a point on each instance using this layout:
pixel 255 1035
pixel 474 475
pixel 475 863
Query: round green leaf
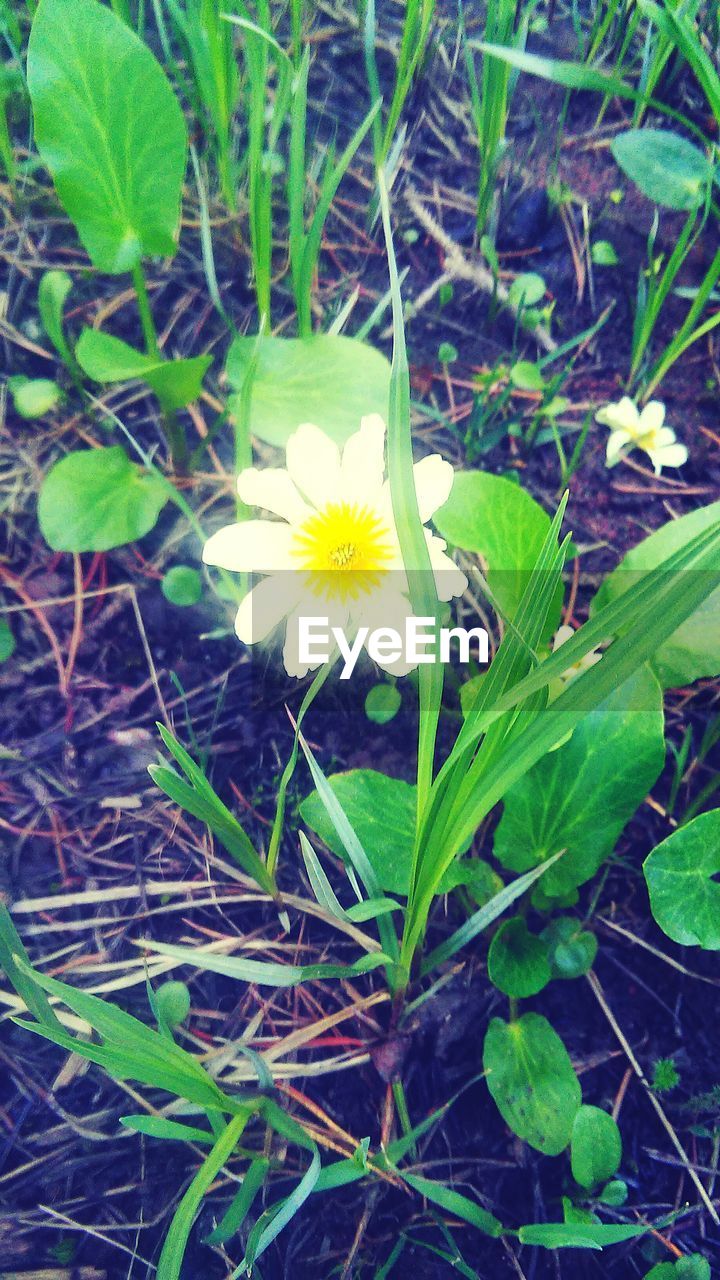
pixel 667 168
pixel 580 796
pixel 447 353
pixel 382 703
pixel 110 130
pixel 571 949
pixel 173 1003
pixel 499 521
pixel 381 811
pixel 595 1147
pixel 182 585
pixel 34 397
pixel 7 641
pixel 693 651
pixel 526 290
pixel 692 1267
pixel 517 960
pixel 527 376
pixel 105 358
pixel 98 499
pixel 326 379
pixel 603 254
pixel 532 1081
pixel 615 1193
pixel 682 879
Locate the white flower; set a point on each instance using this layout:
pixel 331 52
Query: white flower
pixel 334 552
pixel 557 686
pixel 632 428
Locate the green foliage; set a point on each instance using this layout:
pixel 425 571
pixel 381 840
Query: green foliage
pixel 173 1003
pixel 329 380
pixel 34 397
pixel 176 383
pixel 382 703
pixel 693 650
pixel 381 811
pixel 110 130
pixel 571 949
pixel 667 168
pixel 532 1080
pixel 499 521
pixel 602 254
pixel 517 960
pixel 182 585
pixel 97 499
pixel 691 1267
pixel 7 641
pixel 595 1147
pixel 53 290
pixel 665 1075
pixel 579 797
pixel 682 880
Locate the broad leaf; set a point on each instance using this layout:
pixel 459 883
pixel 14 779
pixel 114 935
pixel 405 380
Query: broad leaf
pixel 571 950
pixel 381 810
pixel 110 130
pixel 595 1147
pixel 682 877
pixel 105 358
pixel 501 522
pixel 693 650
pixel 667 168
pixel 326 379
pixel 98 499
pixel 531 1078
pixel 579 797
pixel 517 960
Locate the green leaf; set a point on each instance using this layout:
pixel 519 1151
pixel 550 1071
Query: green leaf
pixel 602 254
pixel 381 811
pixel 595 1147
pixel 527 376
pixel 458 1205
pixel 667 168
pixel 53 289
pixel 532 1081
pixel 496 519
pixel 7 641
pixel 526 290
pixel 517 960
pixel 182 585
pixel 577 1235
pixel 109 129
pixel 580 796
pixel 176 383
pixel 691 1267
pixel 693 651
pixel 682 879
pixel 173 1003
pixel 326 379
pixel 264 973
pixel 571 949
pixel 382 703
pixel 98 499
pixel 167 1130
pixel 34 397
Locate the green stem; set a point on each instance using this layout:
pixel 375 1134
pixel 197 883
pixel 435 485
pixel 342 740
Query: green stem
pixel 146 317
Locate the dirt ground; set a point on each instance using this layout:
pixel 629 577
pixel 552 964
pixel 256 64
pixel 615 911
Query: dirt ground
pixel 95 858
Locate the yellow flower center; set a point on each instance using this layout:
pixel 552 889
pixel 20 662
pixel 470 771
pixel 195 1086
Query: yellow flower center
pixel 343 549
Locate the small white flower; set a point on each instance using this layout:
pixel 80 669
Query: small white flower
pixel 632 428
pixel 334 552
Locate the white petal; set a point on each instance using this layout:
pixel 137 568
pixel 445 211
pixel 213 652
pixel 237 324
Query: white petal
pixel 253 546
pixel 652 416
pixel 622 416
pixel 433 481
pixel 265 606
pixel 449 580
pixel 313 461
pixel 363 461
pixel 663 437
pixel 310 606
pixel 562 635
pixel 390 608
pixel 671 455
pixel 615 445
pixel 272 489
